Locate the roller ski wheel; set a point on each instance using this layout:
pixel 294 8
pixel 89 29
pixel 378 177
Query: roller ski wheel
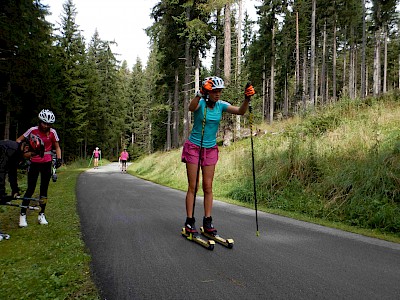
pixel 195 237
pixel 228 243
pixel 4 236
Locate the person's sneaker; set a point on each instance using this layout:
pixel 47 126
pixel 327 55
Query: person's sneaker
pixel 190 226
pixel 42 219
pixel 22 220
pixel 208 226
pixel 4 236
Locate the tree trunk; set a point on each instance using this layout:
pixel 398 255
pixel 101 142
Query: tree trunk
pixel 239 41
pixel 217 68
pixel 263 91
pixel 175 120
pixel 150 141
pixel 168 141
pixel 188 65
pixel 272 93
pixel 227 44
pixel 323 68
pixel 377 63
pixel 239 58
pixel 363 79
pixel 316 85
pixel 327 86
pixel 344 89
pixel 351 64
pixel 334 63
pixel 366 80
pixel 305 88
pixel 297 54
pixel 355 70
pixel 385 63
pixel 312 58
pixel 285 100
pixel 197 72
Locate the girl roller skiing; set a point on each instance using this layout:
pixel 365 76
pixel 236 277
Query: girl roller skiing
pixel 201 149
pixel 96 156
pixel 123 159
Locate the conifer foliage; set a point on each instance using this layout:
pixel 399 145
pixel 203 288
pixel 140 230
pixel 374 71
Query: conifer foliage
pixel 299 54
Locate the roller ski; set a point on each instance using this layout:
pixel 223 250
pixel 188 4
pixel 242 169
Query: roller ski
pixel 190 232
pixel 208 230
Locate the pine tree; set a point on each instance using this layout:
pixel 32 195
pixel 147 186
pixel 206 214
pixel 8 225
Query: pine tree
pixel 25 64
pixel 72 107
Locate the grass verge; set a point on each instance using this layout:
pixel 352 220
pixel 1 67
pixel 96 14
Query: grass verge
pixel 47 262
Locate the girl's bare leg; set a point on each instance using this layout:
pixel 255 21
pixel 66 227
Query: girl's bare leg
pixel 191 170
pixel 208 178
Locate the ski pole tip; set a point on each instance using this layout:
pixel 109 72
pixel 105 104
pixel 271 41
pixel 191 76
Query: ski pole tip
pixel 257 233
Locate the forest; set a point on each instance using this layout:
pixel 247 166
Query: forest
pixel 299 55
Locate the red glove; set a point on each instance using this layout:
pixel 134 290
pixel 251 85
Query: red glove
pixel 249 91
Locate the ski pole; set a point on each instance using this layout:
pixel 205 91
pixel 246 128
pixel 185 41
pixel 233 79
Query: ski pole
pixel 101 162
pixel 90 161
pixel 28 198
pixel 200 153
pixel 41 200
pixel 22 206
pixel 252 160
pixel 11 197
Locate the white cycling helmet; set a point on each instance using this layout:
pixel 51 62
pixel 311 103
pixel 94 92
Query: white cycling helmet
pixel 218 83
pixel 47 116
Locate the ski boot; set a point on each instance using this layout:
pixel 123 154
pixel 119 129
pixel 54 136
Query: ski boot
pixel 190 232
pixel 190 227
pixel 208 226
pixel 209 231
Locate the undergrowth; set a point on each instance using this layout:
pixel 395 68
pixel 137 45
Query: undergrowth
pixel 340 163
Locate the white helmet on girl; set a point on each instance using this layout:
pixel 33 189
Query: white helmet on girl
pixel 218 83
pixel 47 116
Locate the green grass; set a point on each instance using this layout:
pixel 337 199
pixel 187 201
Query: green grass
pixel 47 262
pixel 339 167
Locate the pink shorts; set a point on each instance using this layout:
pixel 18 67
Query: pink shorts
pixel 190 154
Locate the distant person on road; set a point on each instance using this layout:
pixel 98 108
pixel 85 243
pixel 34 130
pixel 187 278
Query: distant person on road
pixel 201 147
pixel 123 159
pixel 41 164
pixel 96 156
pixel 11 155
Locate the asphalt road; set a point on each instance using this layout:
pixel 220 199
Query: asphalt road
pixel 132 230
